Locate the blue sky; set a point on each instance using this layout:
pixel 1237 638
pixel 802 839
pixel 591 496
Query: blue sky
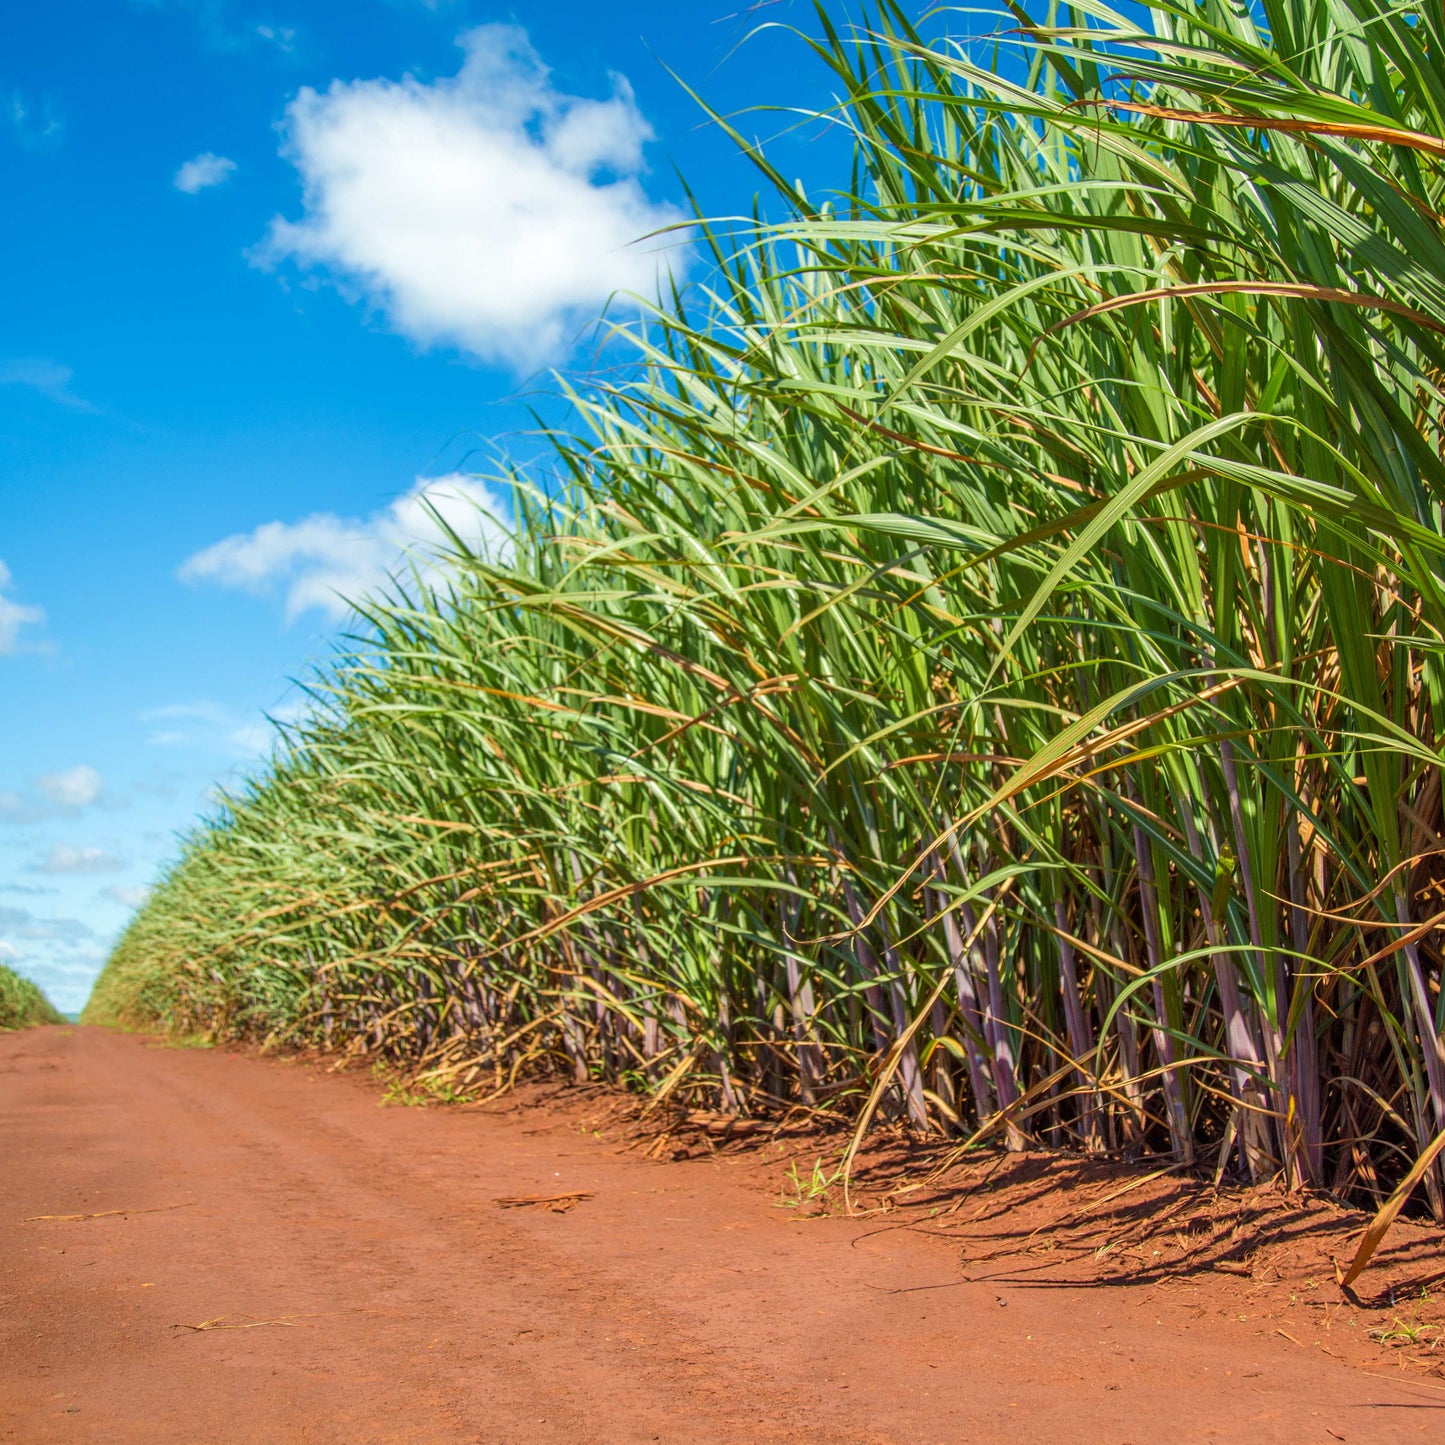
pixel 272 268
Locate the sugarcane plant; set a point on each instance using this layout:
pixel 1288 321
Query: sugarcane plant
pixel 23 1003
pixel 979 664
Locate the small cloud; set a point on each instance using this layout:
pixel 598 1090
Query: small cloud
pixel 13 616
pixel 19 923
pixel 187 724
pixel 64 859
pixel 36 127
pixel 204 171
pixel 252 737
pixel 221 29
pixel 74 789
pixel 283 37
pixel 215 728
pixel 489 210
pixel 9 953
pixel 67 976
pixel 126 896
pixel 327 562
pixel 65 793
pixel 49 378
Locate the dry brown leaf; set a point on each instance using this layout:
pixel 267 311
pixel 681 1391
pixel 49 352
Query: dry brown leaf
pixel 1379 1226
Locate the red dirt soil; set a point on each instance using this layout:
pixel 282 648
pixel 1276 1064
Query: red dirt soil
pixel 246 1249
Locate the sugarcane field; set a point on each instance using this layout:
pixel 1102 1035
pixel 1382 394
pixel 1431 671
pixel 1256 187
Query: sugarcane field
pixel 861 856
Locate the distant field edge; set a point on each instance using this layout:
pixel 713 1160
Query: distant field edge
pixel 23 1004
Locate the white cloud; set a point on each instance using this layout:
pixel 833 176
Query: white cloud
pixel 325 561
pixel 252 737
pixel 215 728
pixel 283 37
pixel 64 859
pixel 73 789
pixel 36 128
pixel 67 977
pixel 128 897
pixel 14 616
pixel 205 170
pixel 185 721
pixel 49 378
pixel 20 923
pixel 68 793
pixel 222 29
pixel 487 211
pixel 62 955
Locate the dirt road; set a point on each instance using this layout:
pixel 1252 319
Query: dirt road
pixel 295 1263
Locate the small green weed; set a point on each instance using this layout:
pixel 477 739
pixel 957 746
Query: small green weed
pixel 190 1041
pixel 1411 1331
pixel 418 1093
pixel 812 1189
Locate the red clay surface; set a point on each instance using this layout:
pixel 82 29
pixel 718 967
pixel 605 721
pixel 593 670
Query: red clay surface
pixel 360 1283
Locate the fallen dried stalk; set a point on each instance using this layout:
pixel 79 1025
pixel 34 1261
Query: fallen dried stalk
pixel 529 1201
pixel 232 1322
pixel 1379 1226
pixel 105 1213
